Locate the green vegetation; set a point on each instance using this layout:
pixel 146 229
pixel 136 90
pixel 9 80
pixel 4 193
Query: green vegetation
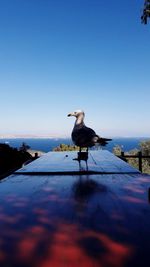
pixel 117 150
pixel 144 148
pixel 63 147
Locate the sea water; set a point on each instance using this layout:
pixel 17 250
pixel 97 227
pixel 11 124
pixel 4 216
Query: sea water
pixel 48 144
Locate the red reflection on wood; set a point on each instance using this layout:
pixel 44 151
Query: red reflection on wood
pixel 56 198
pixel 48 189
pixel 66 249
pixel 68 245
pixel 144 179
pixel 53 197
pixel 42 215
pixel 10 198
pixel 20 204
pixel 40 211
pixel 37 230
pixel 29 242
pixel 16 201
pixel 10 219
pixel 134 189
pixel 117 216
pixel 134 200
pixel 43 219
pixel 117 253
pixel 26 248
pixel 2 256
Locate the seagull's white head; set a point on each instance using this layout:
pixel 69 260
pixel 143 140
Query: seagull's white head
pixel 77 113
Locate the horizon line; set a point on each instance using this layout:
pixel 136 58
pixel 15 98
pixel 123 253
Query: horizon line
pixel 15 136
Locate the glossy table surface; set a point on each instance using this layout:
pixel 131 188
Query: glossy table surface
pixel 89 220
pixel 101 161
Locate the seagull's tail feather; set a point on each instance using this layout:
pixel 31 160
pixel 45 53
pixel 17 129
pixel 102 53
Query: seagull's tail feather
pixel 103 141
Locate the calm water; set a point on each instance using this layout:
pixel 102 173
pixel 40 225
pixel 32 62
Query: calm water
pixel 46 144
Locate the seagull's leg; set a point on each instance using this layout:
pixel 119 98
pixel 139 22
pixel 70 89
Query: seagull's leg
pixel 86 165
pixel 79 154
pixel 86 160
pixel 80 166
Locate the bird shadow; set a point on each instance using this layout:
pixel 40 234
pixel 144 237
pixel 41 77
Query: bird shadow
pixel 85 188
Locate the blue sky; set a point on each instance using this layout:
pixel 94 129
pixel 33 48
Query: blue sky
pixel 60 55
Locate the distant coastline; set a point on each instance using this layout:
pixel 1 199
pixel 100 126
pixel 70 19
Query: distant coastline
pixel 44 144
pixel 28 136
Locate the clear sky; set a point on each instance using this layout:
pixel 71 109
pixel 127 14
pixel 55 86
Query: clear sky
pixel 60 55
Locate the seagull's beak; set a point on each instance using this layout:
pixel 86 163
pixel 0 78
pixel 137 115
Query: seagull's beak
pixel 70 114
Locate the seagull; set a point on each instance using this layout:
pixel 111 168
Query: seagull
pixel 84 136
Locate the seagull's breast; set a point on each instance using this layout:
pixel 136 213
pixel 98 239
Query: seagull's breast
pixel 83 136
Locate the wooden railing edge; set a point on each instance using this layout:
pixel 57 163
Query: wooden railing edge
pixel 139 156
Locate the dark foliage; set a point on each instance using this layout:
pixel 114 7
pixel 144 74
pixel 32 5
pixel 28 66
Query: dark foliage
pixel 11 159
pixel 146 12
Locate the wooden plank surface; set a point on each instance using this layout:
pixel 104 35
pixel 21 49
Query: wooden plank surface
pixel 75 220
pixel 101 161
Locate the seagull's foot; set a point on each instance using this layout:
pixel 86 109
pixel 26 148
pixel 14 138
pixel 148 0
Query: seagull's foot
pixel 76 159
pixel 83 155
